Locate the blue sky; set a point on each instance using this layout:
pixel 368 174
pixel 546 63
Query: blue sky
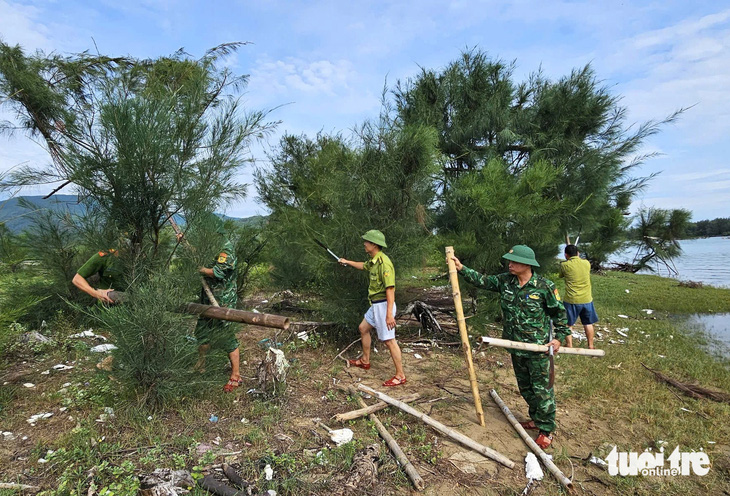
pixel 325 63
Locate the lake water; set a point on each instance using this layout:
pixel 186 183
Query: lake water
pixel 707 261
pixel 704 260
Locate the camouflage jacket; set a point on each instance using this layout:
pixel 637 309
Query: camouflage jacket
pixel 527 310
pixel 225 272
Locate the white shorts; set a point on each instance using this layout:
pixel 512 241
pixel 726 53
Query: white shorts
pixel 375 316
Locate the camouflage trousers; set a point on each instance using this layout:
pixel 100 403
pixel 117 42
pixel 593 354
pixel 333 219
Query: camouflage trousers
pixel 532 376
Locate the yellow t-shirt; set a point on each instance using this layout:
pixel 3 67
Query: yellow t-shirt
pixel 577 274
pixel 382 276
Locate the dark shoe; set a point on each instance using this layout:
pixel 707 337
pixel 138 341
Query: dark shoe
pixel 359 363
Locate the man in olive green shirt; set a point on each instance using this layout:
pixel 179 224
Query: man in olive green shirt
pixel 106 265
pixel 381 315
pixel 578 297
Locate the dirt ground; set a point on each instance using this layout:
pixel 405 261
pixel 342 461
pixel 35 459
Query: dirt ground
pixel 439 376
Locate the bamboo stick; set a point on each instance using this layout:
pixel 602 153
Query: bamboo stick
pixel 206 288
pixel 539 348
pixel 393 445
pixel 454 279
pixel 531 444
pixel 234 315
pixel 466 441
pixel 367 410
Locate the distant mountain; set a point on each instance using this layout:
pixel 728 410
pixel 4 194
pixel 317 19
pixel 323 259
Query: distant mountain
pixel 17 218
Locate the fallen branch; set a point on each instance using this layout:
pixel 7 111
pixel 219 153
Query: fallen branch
pixel 691 390
pixel 466 441
pixel 339 355
pixel 234 477
pixel 394 447
pixel 210 484
pixel 539 348
pixel 531 444
pixel 367 410
pixel 19 487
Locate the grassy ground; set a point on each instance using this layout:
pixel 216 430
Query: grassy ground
pixel 601 403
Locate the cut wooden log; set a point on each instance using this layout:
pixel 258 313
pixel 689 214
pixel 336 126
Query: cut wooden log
pixel 540 348
pixel 408 467
pixel 466 441
pixel 531 443
pixel 363 473
pixel 466 348
pixel 234 315
pixel 367 410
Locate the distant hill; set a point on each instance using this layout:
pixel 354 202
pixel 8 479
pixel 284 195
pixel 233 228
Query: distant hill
pixel 17 218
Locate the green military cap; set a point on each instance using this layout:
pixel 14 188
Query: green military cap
pixel 375 236
pixel 522 254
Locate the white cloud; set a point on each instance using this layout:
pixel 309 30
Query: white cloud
pixel 21 25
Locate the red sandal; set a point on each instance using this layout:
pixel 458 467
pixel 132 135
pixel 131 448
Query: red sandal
pixel 544 440
pixel 232 384
pixel 359 363
pixel 394 381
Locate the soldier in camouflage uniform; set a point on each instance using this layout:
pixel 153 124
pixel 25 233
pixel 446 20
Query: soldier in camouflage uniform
pixel 106 265
pixel 529 303
pixel 220 275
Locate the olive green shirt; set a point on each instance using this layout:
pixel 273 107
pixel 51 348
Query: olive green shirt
pixel 382 276
pixel 106 264
pixel 526 311
pixel 577 274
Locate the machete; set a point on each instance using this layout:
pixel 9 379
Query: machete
pixel 551 380
pixel 328 250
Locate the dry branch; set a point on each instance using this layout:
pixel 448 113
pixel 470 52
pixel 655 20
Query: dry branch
pixel 466 441
pixel 19 487
pixel 394 447
pixel 367 410
pixel 692 390
pixel 530 443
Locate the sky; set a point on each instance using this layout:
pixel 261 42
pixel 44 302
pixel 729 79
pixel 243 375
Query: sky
pixel 323 65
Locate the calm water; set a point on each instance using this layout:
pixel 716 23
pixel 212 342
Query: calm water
pixel 703 260
pixel 706 261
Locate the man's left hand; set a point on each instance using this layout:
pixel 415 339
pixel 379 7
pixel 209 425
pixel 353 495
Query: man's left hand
pixel 555 343
pixel 390 322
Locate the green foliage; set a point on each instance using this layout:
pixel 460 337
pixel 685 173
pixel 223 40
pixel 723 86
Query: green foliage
pixel 333 190
pixel 657 236
pixel 573 125
pixel 714 227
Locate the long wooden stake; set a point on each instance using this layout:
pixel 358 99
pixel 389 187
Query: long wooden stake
pixel 466 441
pixel 530 443
pixel 540 348
pixel 454 279
pixel 235 315
pixel 393 445
pixel 367 410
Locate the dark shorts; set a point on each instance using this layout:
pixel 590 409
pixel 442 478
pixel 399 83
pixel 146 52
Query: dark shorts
pixel 585 311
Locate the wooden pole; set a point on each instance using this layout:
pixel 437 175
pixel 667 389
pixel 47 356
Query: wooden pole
pixel 454 279
pixel 234 315
pixel 466 441
pixel 540 348
pixel 531 444
pixel 367 410
pixel 393 445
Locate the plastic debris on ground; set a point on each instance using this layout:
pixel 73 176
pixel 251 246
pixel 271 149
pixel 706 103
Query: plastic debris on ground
pixel 87 334
pixel 416 355
pixel 213 418
pixel 38 416
pixel 303 336
pixel 623 331
pixel 103 348
pixel 269 472
pixel 61 366
pixel 598 462
pixel 647 310
pixel 532 467
pixel 8 436
pixel 29 385
pixel 623 316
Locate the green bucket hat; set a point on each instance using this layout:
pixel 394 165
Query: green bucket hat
pixel 375 236
pixel 522 254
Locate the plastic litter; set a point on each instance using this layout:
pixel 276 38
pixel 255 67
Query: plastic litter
pixel 416 355
pixel 38 416
pixel 269 472
pixel 61 366
pixel 623 316
pixel 532 467
pixel 29 385
pixel 213 418
pixel 103 348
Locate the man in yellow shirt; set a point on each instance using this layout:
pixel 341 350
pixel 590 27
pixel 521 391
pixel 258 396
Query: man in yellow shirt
pixel 381 315
pixel 578 296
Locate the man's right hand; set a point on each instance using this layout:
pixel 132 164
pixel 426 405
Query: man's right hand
pixel 457 263
pixel 103 295
pixel 343 262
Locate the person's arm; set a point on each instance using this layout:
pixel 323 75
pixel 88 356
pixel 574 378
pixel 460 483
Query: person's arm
pixel 357 265
pixel 490 283
pixel 389 314
pixel 206 272
pixel 561 272
pixel 99 294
